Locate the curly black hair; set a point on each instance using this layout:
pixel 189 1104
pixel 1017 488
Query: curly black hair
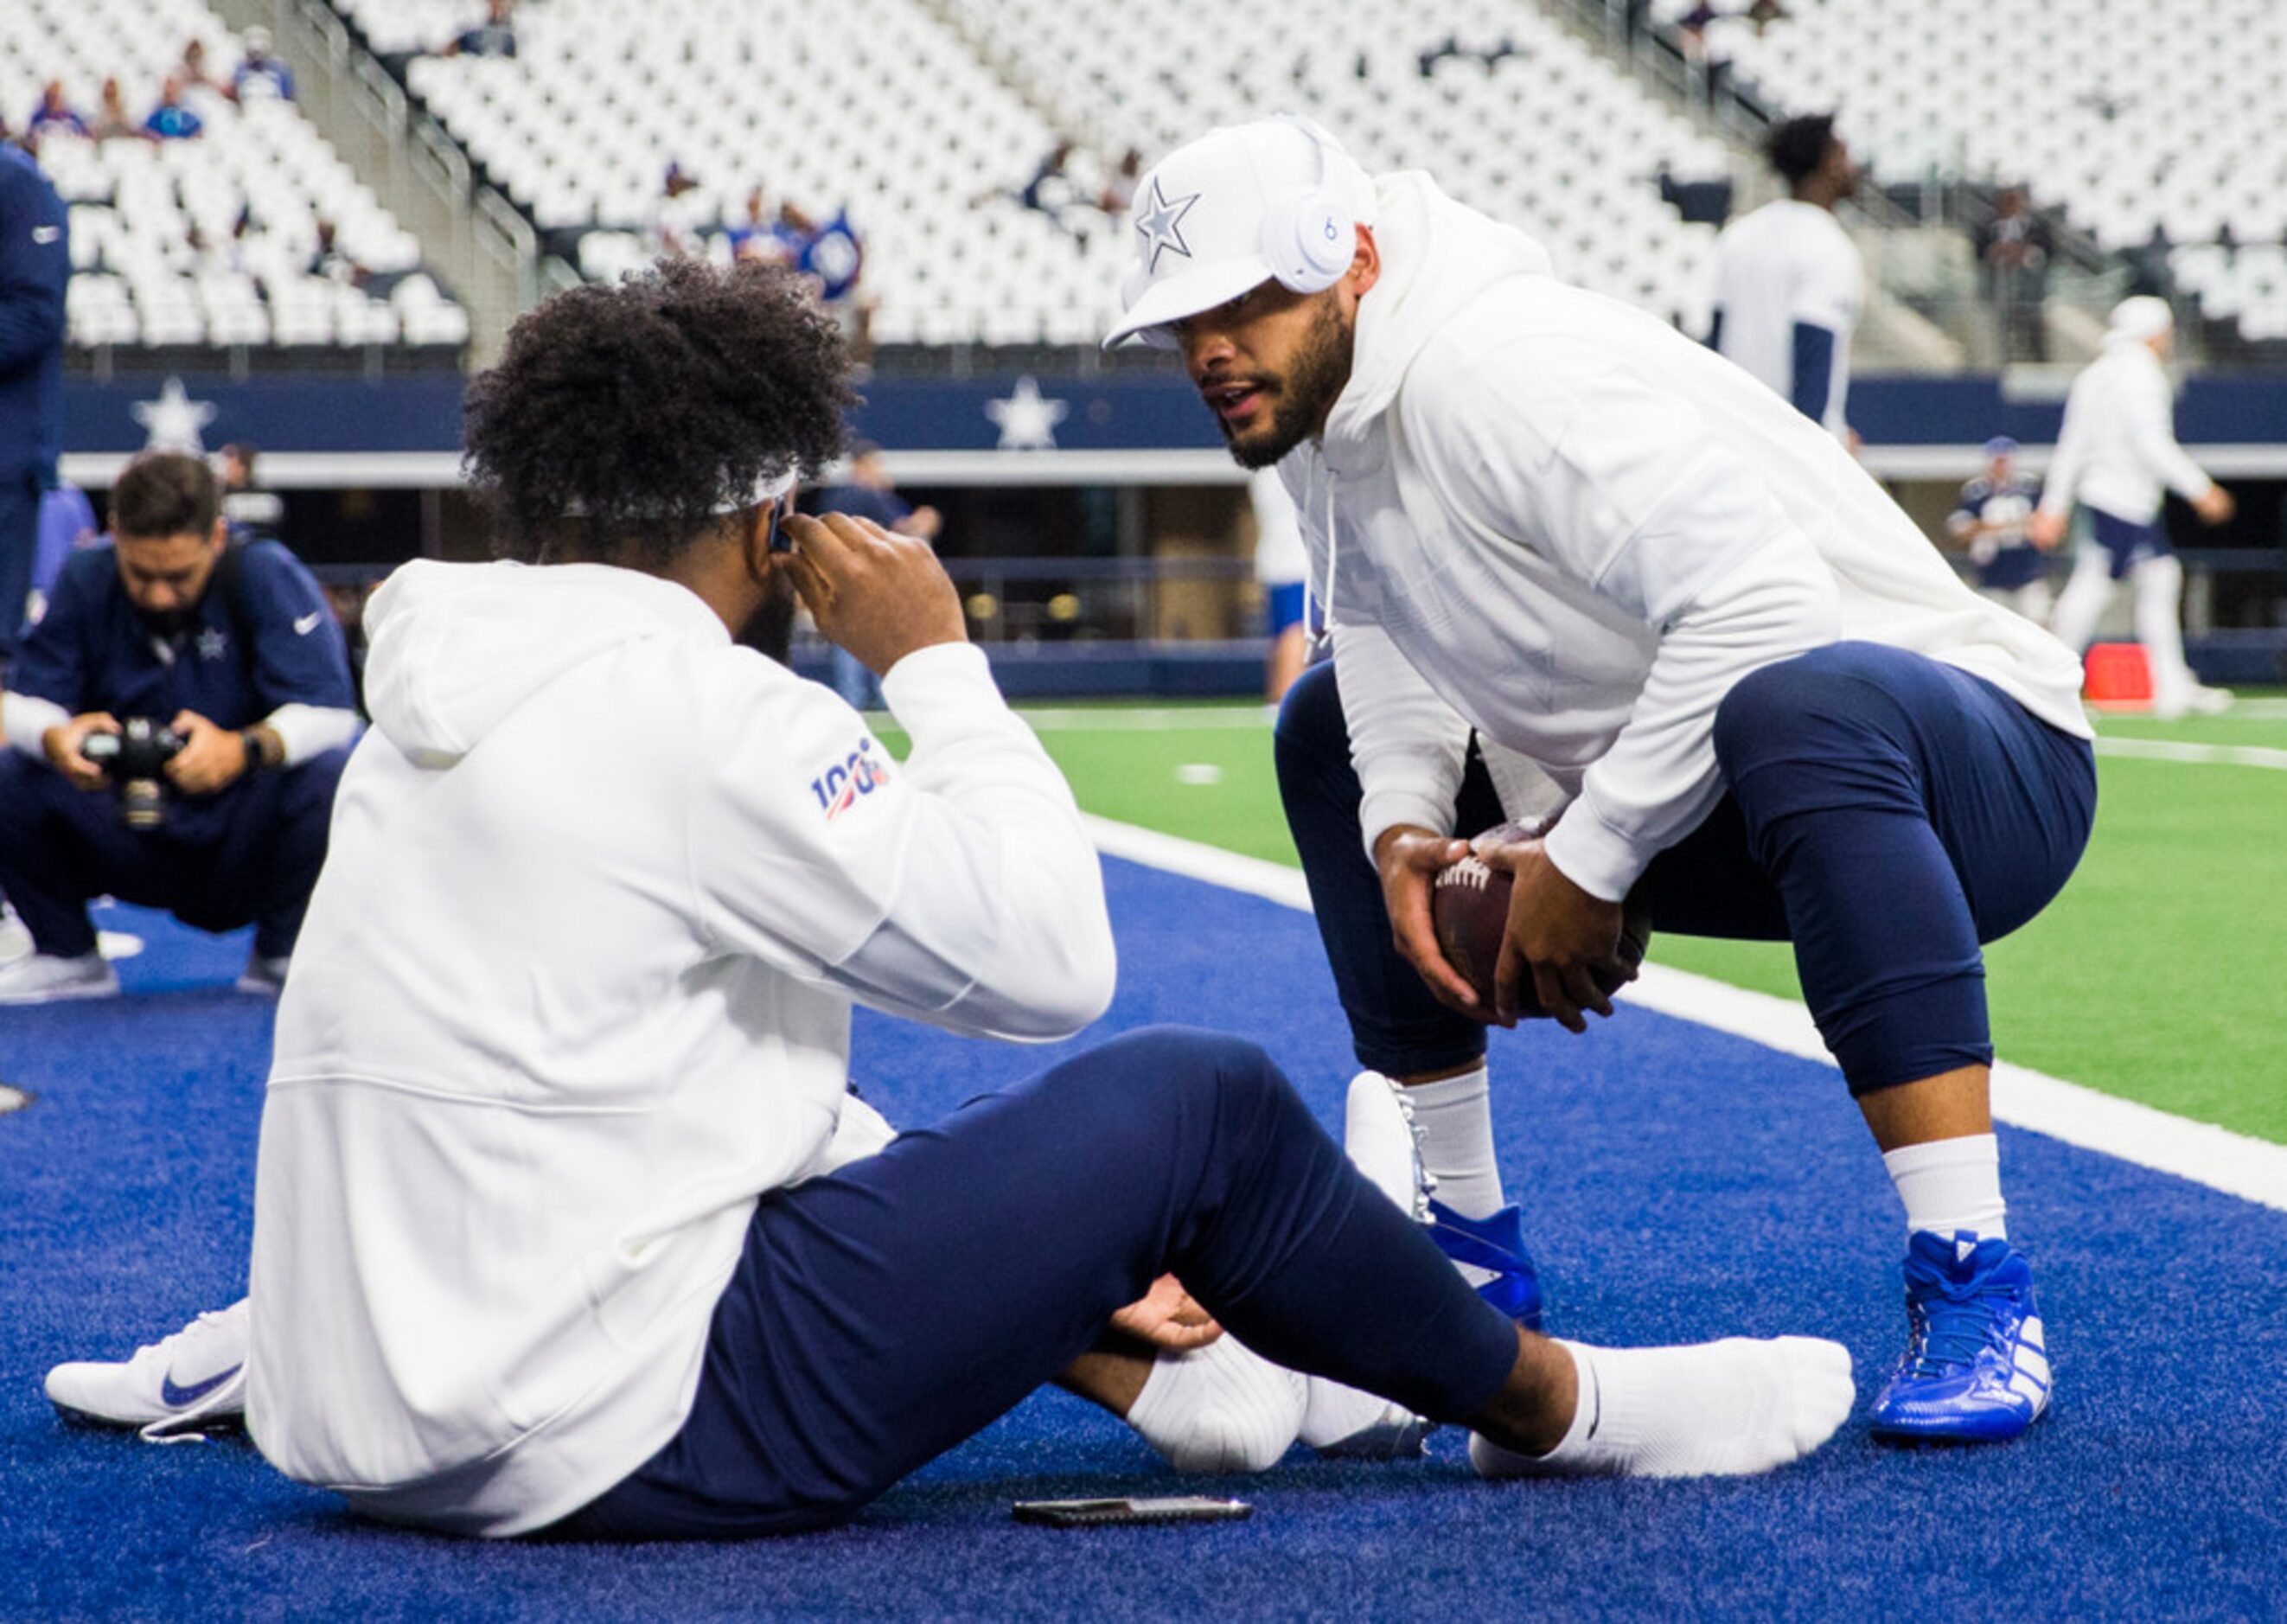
pixel 1797 146
pixel 632 416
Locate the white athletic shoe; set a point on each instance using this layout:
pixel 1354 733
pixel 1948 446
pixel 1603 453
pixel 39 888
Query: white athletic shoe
pixel 42 977
pixel 15 940
pixel 166 1389
pixel 264 977
pixel 2207 701
pixel 1378 1134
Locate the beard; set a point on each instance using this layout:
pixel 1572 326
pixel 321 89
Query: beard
pixel 1315 380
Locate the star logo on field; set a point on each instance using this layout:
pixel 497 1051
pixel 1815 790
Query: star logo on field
pixel 174 422
pixel 1027 418
pixel 1161 224
pixel 211 644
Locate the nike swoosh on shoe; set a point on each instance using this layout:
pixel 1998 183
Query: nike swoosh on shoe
pixel 177 1397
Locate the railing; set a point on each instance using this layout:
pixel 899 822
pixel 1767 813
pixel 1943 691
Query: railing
pixel 492 254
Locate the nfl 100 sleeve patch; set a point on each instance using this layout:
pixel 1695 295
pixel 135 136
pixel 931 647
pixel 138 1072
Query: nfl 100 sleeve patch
pixel 845 783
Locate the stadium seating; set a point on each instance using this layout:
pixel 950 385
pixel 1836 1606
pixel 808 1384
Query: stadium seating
pixel 924 122
pixel 1512 112
pixel 158 251
pixel 2133 116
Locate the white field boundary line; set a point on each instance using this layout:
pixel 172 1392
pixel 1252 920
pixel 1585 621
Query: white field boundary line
pixel 2201 755
pixel 2253 1169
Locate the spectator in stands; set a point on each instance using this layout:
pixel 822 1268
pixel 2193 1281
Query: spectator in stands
pixel 495 36
pixel 1788 277
pixel 192 70
pixel 2012 264
pixel 1051 192
pixel 2117 456
pixel 834 258
pixel 35 268
pixel 866 491
pixel 112 119
pixel 1118 193
pixel 260 71
pixel 53 115
pixel 761 236
pixel 674 222
pixel 1990 520
pixel 233 650
pixel 330 261
pixel 171 120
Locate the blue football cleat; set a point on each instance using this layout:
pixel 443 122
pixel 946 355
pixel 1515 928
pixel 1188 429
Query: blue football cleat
pixel 1491 1247
pixel 1977 1366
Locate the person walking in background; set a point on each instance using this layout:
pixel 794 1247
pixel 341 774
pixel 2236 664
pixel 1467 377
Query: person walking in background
pixel 2117 456
pixel 35 266
pixel 1990 520
pixel 1788 279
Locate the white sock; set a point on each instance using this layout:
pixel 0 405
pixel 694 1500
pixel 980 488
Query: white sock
pixel 1352 1422
pixel 1453 1118
pixel 1713 1409
pixel 1220 1408
pixel 1951 1184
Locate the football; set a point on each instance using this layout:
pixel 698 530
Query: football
pixel 1468 907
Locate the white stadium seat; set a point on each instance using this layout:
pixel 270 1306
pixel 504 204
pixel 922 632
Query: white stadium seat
pixel 152 227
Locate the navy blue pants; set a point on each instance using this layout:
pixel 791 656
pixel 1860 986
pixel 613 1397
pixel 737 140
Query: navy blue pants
pixel 248 855
pixel 2127 543
pixel 880 1316
pixel 20 540
pixel 1884 812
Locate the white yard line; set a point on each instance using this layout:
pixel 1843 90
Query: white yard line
pixel 2254 1170
pixel 2202 755
pixel 1147 719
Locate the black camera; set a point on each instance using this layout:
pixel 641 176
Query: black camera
pixel 133 759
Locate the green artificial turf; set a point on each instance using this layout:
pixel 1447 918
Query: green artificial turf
pixel 2159 975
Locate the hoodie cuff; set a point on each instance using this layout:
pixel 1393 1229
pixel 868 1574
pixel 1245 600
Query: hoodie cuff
pixel 944 684
pixel 1593 855
pixel 1383 810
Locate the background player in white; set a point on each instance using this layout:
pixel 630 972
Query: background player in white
pixel 1667 604
pixel 1788 279
pixel 563 1215
pixel 1989 519
pixel 2117 456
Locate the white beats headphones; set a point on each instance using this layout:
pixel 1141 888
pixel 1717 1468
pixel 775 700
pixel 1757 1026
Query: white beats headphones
pixel 1310 239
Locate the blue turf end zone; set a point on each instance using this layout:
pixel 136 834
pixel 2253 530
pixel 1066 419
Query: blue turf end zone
pixel 1677 1184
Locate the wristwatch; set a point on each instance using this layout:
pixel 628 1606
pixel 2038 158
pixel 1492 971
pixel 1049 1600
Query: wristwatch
pixel 254 760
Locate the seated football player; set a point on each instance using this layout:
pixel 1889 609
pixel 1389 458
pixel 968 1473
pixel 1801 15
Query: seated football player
pixel 564 1218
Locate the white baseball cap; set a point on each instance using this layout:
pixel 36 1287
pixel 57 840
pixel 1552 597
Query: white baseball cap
pixel 2143 318
pixel 1243 204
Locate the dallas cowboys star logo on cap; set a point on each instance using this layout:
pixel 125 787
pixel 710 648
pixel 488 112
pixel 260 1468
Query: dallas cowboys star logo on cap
pixel 1161 224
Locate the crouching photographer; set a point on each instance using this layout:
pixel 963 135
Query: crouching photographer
pixel 178 723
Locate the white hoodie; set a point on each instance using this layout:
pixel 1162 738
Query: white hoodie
pixel 2117 448
pixel 574 990
pixel 1549 516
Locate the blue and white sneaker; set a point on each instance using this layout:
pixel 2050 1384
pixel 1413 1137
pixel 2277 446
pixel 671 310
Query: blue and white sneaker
pixel 172 1390
pixel 1490 1253
pixel 1976 1368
